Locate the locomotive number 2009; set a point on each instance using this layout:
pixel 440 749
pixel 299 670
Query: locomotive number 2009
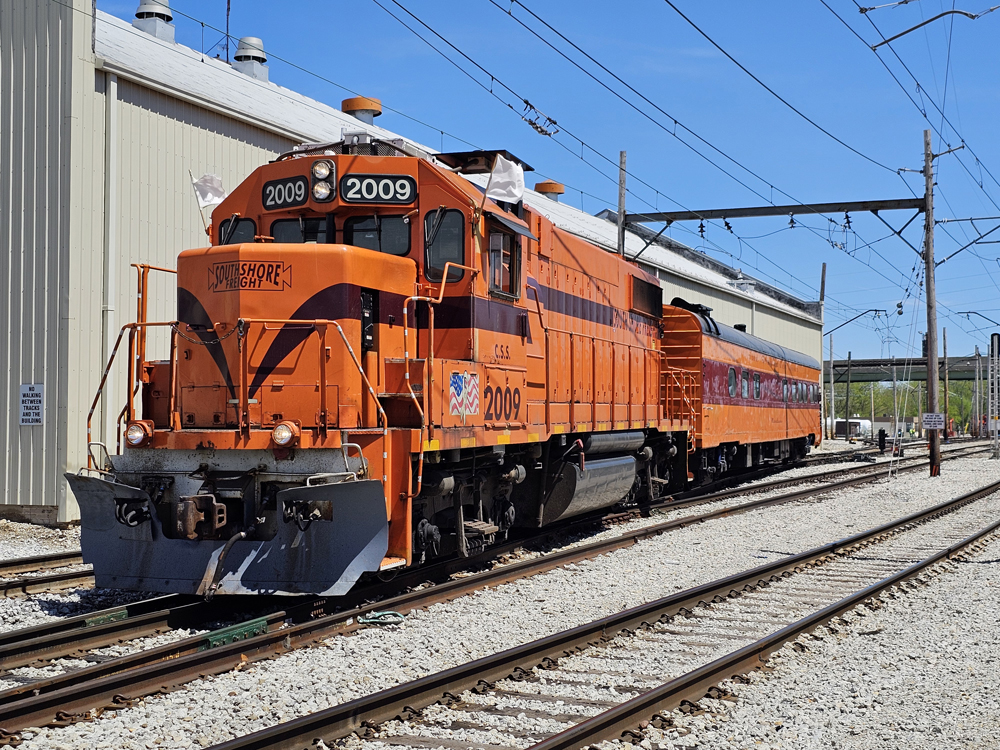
pixel 378 188
pixel 285 193
pixel 502 403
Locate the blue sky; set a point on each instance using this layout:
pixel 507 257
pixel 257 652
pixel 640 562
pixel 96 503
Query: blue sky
pixel 800 49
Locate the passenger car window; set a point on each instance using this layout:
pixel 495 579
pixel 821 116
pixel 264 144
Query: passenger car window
pixel 745 387
pixel 732 382
pixel 784 390
pixel 756 385
pixel 384 234
pixel 504 265
pixel 244 231
pixel 299 230
pixel 444 241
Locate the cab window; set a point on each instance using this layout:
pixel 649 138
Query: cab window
pixel 244 231
pixel 384 234
pixel 444 242
pixel 299 230
pixel 504 265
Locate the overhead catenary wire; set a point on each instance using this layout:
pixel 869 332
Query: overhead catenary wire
pixel 462 140
pixel 775 94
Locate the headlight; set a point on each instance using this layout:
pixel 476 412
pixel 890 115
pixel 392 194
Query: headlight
pixel 137 434
pixel 322 190
pixel 284 434
pixel 321 170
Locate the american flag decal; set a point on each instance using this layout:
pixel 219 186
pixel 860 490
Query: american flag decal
pixel 457 388
pixel 472 393
pixel 464 393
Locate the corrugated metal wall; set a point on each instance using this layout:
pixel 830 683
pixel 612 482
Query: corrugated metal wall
pixel 55 146
pixel 149 141
pixel 36 61
pixel 160 139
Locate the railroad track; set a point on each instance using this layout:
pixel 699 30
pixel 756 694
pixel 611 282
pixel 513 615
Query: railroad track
pixel 603 680
pixel 119 681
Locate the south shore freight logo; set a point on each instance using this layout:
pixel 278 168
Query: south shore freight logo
pixel 258 275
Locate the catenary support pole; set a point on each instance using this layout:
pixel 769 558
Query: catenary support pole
pixel 847 402
pixel 833 412
pixel 932 348
pixel 895 407
pixel 823 408
pixel 944 345
pixel 871 387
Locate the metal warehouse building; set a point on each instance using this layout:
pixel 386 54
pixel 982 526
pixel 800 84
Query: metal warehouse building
pixel 100 123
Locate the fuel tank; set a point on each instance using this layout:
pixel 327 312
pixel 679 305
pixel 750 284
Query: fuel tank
pixel 601 484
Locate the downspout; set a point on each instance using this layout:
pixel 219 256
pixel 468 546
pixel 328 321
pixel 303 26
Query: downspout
pixel 111 140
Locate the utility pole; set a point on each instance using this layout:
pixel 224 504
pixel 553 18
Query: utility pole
pixel 822 394
pixel 621 203
pixel 833 425
pixel 944 342
pixel 932 349
pixel 847 402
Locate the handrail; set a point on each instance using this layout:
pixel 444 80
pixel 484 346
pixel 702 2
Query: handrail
pixel 428 365
pixel 131 328
pixel 142 305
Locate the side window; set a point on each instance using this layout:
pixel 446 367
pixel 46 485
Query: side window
pixel 505 261
pixel 784 390
pixel 745 385
pixel 444 241
pixel 299 230
pixel 244 231
pixel 732 382
pixel 756 385
pixel 384 234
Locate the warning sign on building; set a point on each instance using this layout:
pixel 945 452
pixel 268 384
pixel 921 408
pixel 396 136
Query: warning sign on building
pixel 31 403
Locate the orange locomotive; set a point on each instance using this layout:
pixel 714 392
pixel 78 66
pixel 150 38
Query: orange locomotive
pixel 374 365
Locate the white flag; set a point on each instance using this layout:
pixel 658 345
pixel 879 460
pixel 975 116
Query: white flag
pixel 506 181
pixel 209 191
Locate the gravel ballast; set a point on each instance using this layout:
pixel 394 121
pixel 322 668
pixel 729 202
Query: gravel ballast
pixel 259 695
pixel 30 540
pixel 918 672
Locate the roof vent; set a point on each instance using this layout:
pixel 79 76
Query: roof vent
pixel 154 17
pixel 364 108
pixel 740 327
pixel 250 58
pixel 550 189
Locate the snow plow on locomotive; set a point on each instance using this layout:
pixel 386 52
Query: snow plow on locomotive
pixel 373 365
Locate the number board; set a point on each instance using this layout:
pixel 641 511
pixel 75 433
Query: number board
pixel 287 193
pixel 377 188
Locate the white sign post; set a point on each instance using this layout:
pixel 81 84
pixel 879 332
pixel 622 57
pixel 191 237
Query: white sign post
pixel 32 397
pixel 932 421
